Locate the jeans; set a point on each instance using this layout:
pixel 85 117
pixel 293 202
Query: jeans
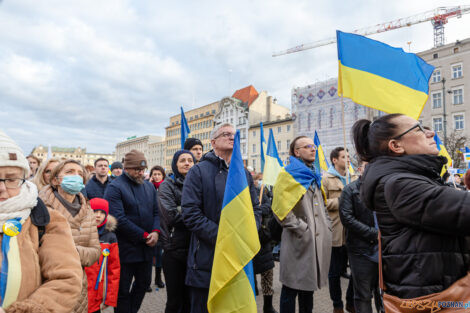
pixel 287 303
pixel 130 298
pixel 198 299
pixel 177 293
pixel 338 265
pixel 366 280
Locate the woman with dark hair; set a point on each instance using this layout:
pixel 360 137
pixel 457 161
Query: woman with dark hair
pixel 157 176
pixel 423 222
pixel 174 235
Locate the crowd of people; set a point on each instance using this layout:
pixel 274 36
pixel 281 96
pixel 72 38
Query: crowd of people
pixel 82 240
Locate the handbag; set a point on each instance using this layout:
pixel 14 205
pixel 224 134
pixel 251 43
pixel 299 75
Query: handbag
pixel 456 298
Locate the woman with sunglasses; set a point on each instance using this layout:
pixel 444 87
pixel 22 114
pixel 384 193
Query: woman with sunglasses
pixel 423 222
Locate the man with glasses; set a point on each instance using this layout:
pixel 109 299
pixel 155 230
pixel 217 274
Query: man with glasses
pixel 133 201
pixel 201 204
pixel 306 240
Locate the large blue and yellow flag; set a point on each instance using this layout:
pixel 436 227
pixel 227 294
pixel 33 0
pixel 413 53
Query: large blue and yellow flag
pixel 184 128
pixel 232 287
pixel 382 77
pixel 273 163
pixel 321 163
pixel 262 146
pixel 443 152
pixel 292 183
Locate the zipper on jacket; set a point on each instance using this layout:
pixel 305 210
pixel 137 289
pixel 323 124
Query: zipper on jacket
pixel 195 254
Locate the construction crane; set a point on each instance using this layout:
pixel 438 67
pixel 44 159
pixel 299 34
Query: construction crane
pixel 438 17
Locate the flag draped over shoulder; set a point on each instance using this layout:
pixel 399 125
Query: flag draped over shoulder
pixel 320 159
pixel 262 146
pixel 292 183
pixel 273 163
pixel 184 128
pixel 382 77
pixel 232 286
pixel 443 152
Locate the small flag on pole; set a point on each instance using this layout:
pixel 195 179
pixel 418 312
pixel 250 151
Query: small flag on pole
pixel 273 163
pixel 443 152
pixel 184 128
pixel 320 159
pixel 263 147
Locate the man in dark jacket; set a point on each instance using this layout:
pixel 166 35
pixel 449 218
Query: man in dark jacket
pixel 133 201
pixel 361 244
pixel 194 145
pixel 201 204
pixel 96 186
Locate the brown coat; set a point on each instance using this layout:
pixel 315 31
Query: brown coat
pixel 306 244
pixel 333 188
pixel 50 274
pixel 85 235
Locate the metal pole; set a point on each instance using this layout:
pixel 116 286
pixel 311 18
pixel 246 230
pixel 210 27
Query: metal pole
pixel 444 109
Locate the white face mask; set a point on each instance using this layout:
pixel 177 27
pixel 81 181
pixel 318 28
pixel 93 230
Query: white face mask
pixel 260 182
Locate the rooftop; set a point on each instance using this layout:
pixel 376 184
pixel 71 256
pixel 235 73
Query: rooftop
pixel 247 94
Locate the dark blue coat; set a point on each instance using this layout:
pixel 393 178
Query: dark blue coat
pixel 135 207
pixel 95 189
pixel 201 204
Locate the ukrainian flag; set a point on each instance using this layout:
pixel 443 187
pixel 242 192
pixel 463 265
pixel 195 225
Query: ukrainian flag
pixel 262 145
pixel 320 159
pixel 292 183
pixel 273 163
pixel 351 169
pixel 382 77
pixel 443 152
pixel 232 287
pixel 184 128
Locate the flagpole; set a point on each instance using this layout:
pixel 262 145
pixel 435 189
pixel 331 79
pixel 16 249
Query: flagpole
pixel 261 194
pixel 348 177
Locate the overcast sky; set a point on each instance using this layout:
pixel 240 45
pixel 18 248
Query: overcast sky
pixel 91 73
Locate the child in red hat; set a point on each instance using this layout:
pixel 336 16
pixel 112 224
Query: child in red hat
pixel 103 276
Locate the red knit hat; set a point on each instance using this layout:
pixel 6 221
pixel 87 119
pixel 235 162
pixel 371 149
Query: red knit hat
pixel 102 205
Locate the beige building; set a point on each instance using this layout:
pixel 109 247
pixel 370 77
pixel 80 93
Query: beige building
pixel 283 132
pixel 200 121
pixel 156 152
pixel 137 143
pixel 78 154
pixel 449 89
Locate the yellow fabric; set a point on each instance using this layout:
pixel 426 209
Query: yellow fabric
pixel 237 243
pixel 14 273
pixel 271 170
pixel 380 93
pixel 286 193
pixel 322 159
pixel 443 152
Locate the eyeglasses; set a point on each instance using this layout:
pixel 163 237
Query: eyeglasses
pixel 13 183
pixel 226 135
pixel 418 125
pixel 138 169
pixel 307 147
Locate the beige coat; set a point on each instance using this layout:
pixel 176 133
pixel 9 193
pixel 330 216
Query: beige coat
pixel 333 188
pixel 85 235
pixel 50 274
pixel 306 244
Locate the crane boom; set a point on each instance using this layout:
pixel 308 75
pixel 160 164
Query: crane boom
pixel 438 17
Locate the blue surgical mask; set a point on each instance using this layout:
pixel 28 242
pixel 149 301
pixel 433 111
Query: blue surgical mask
pixel 72 184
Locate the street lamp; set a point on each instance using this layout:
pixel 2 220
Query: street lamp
pixel 444 109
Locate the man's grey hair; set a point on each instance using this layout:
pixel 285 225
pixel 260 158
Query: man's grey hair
pixel 215 130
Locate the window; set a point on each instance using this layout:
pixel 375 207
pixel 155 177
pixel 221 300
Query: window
pixel 435 56
pixel 288 128
pixel 457 71
pixel 288 145
pixel 457 96
pixel 456 50
pixel 279 129
pixel 213 111
pixel 254 133
pixel 254 164
pixel 437 124
pixel 459 121
pixel 243 148
pixel 436 100
pixel 436 76
pixel 278 145
pixel 231 121
pixel 254 148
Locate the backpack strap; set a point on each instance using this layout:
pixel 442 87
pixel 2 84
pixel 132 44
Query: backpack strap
pixel 40 217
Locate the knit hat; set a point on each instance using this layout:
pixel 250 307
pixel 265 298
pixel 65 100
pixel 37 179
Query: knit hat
pixel 175 160
pixel 191 142
pixel 134 159
pixel 11 154
pixel 102 205
pixel 116 165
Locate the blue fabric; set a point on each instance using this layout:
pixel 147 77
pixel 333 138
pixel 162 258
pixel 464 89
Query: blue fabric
pixel 332 170
pixel 184 132
pixel 303 174
pixel 201 204
pixel 135 207
pixel 95 189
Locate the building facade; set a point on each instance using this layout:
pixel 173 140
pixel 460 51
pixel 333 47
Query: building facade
pixel 448 107
pixel 137 143
pixel 200 121
pixel 156 152
pixel 78 154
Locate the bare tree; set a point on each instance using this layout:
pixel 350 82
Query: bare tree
pixel 455 142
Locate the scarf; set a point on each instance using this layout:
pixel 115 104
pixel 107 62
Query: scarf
pixel 14 210
pixel 332 170
pixel 157 185
pixel 74 207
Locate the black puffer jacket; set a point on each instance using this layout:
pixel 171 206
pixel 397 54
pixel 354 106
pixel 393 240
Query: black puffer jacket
pixel 361 235
pixel 264 260
pixel 174 235
pixel 422 222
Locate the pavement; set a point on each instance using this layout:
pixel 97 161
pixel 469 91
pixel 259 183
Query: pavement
pixel 155 302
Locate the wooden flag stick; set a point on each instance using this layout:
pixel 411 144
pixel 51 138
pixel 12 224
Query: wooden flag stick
pixel 348 176
pixel 261 194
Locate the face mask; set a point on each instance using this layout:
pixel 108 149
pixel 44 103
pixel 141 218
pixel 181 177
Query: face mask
pixel 260 182
pixel 72 184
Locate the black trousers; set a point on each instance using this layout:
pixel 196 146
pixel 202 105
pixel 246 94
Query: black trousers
pixel 130 298
pixel 366 283
pixel 177 293
pixel 199 299
pixel 338 265
pixel 287 302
